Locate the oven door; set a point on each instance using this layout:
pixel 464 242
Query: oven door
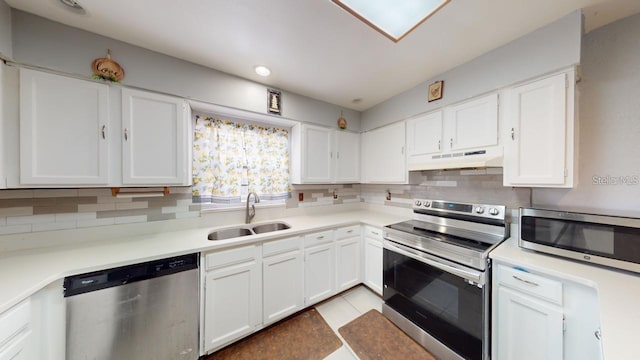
pixel 446 300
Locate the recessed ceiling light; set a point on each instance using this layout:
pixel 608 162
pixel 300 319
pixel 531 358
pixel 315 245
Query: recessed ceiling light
pixel 74 6
pixel 262 70
pixel 393 19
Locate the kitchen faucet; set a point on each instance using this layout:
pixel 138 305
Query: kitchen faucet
pixel 251 213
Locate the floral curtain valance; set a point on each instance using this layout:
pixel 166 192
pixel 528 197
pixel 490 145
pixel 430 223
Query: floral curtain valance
pixel 230 159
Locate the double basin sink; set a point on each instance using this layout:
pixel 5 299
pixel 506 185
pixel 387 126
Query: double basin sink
pixel 247 230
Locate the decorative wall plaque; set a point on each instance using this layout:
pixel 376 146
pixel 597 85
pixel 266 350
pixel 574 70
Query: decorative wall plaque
pixel 274 102
pixel 435 91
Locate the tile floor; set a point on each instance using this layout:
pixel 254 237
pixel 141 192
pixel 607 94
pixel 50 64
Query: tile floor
pixel 343 308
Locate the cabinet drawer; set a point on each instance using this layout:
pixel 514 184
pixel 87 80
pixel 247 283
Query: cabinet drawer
pixel 535 285
pixel 318 238
pixel 232 256
pixel 281 246
pixel 14 320
pixel 347 232
pixel 372 232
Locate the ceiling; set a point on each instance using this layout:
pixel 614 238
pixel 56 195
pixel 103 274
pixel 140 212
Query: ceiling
pixel 315 48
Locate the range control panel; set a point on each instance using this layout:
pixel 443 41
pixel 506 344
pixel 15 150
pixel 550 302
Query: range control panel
pixel 476 210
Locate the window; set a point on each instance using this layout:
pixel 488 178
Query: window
pixel 231 159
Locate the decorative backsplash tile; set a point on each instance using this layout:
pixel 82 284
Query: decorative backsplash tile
pixel 23 211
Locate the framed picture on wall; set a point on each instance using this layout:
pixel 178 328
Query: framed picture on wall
pixel 435 91
pixel 274 102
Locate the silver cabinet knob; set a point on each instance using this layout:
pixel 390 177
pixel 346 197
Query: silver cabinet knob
pixel 494 211
pixel 479 210
pixel 426 204
pixel 418 202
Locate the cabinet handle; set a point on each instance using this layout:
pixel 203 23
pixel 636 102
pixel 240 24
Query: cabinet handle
pixel 439 145
pixel 598 334
pixel 349 231
pixel 330 154
pixel 126 135
pixel 451 143
pixel 320 237
pixel 338 155
pixel 375 233
pixel 104 127
pixel 402 150
pixel 525 281
pixel 513 133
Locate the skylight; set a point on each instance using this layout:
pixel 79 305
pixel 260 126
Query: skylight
pixel 393 18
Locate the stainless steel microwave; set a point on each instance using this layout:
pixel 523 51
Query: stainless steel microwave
pixel 600 239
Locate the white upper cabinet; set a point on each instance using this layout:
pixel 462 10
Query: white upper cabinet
pixel 461 135
pixel 424 134
pixel 472 124
pixel 347 156
pixel 63 130
pixel 383 155
pixel 155 139
pixel 539 146
pixel 321 155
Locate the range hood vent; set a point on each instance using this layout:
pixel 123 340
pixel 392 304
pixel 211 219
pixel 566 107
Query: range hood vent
pixel 482 158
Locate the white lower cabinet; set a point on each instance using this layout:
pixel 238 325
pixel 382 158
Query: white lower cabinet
pixel 528 328
pixel 232 295
pixel 319 267
pixel 372 254
pixel 348 254
pixel 283 280
pixel 541 317
pixel 16 338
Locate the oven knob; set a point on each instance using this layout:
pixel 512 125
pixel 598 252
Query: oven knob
pixel 418 202
pixel 426 204
pixel 493 211
pixel 480 210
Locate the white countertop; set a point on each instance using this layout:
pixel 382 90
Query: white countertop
pixel 618 294
pixel 24 273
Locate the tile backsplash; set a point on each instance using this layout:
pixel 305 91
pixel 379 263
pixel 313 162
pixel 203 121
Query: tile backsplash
pixel 34 210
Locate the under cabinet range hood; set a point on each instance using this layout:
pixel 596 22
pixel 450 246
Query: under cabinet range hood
pixel 478 158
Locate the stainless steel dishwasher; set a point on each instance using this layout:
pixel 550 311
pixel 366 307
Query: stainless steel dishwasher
pixel 143 311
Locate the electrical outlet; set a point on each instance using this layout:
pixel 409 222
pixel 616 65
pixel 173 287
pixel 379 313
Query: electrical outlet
pixel 300 196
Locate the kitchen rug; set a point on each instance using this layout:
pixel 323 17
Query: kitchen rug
pixel 302 336
pixel 373 336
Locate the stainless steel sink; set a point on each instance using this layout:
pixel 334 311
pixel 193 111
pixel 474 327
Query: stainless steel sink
pixel 259 229
pixel 229 233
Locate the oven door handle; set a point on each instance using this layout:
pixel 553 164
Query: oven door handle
pixel 459 271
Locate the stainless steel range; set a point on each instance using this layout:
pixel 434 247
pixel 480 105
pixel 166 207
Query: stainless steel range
pixel 437 275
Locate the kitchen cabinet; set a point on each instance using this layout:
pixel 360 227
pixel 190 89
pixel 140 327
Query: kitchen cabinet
pixel 383 155
pixel 540 139
pixel 155 139
pixel 16 338
pixel 348 254
pixel 537 316
pixel 319 267
pixel 232 295
pixel 321 155
pixel 372 254
pixel 63 130
pixel 455 136
pixel 283 280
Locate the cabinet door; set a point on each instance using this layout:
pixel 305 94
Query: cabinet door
pixel 424 135
pixel 283 285
pixel 233 303
pixel 155 141
pixel 348 263
pixel 319 273
pixel 373 264
pixel 383 154
pixel 347 156
pixel 63 130
pixel 472 124
pixel 317 154
pixel 535 149
pixel 528 328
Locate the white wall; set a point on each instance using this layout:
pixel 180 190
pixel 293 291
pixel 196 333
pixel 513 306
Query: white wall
pixel 41 42
pixel 550 48
pixel 609 117
pixel 5 30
